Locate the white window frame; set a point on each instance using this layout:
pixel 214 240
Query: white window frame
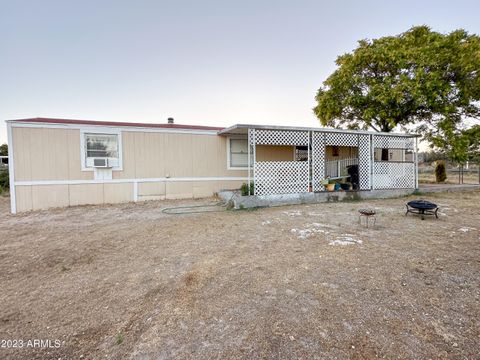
pixel 98 130
pixel 236 137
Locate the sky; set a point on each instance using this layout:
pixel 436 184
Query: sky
pixel 201 62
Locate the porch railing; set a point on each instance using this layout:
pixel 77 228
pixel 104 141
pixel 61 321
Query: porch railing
pixel 338 168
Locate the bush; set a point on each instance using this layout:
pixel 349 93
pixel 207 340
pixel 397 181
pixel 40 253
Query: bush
pixel 244 189
pixel 440 172
pixel 4 180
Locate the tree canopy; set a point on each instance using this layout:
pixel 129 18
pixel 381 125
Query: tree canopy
pixel 419 77
pixel 473 136
pixel 4 150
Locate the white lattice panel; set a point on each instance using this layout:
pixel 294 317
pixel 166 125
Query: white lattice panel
pixel 279 137
pixel 393 142
pixel 318 161
pixel 281 177
pixel 341 139
pixel 251 135
pixel 389 175
pixel 364 161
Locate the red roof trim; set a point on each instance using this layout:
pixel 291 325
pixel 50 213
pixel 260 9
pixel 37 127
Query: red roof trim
pixel 115 123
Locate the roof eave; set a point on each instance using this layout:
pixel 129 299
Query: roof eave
pixel 119 124
pixel 234 130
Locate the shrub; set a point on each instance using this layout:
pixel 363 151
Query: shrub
pixel 119 339
pixel 4 180
pixel 440 172
pixel 244 189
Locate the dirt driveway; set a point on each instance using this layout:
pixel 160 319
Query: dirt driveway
pixel 128 281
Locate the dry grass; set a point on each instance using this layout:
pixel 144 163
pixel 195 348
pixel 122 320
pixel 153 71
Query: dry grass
pixel 452 178
pixel 127 281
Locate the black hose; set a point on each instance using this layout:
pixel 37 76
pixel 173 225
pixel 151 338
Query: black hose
pixel 222 204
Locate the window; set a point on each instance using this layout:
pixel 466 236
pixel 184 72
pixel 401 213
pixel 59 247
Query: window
pixel 335 151
pixel 238 156
pixel 385 155
pixel 101 146
pixel 393 155
pixel 409 156
pixel 301 153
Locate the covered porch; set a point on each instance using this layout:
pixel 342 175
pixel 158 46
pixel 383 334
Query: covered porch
pixel 292 160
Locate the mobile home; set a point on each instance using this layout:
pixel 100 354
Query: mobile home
pixel 61 162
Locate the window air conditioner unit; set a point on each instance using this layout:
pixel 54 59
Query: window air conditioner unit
pixel 100 163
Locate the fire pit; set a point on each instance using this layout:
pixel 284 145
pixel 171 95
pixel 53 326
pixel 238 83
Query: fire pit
pixel 422 208
pixel 368 214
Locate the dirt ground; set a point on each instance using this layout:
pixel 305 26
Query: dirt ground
pixel 307 281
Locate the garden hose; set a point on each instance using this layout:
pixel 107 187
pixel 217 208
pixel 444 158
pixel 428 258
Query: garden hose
pixel 179 210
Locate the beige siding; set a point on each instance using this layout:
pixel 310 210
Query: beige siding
pixel 178 152
pixel 21 153
pixel 179 190
pixel 53 154
pixel 344 152
pixel 228 185
pixel 205 156
pixel 151 189
pixel 158 155
pixel 275 153
pixel 47 154
pixel 46 196
pixel 23 195
pixel 83 194
pixel 74 160
pixel 203 188
pixel 116 193
pixel 128 155
pixel 35 197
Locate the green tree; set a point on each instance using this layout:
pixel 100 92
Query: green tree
pixel 473 136
pixel 419 77
pixel 459 146
pixel 4 150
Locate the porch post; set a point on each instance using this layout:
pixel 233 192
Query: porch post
pixel 372 162
pixel 309 181
pixel 416 163
pixel 254 160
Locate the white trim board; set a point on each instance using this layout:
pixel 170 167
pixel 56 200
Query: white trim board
pixel 108 128
pixel 11 170
pixel 122 181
